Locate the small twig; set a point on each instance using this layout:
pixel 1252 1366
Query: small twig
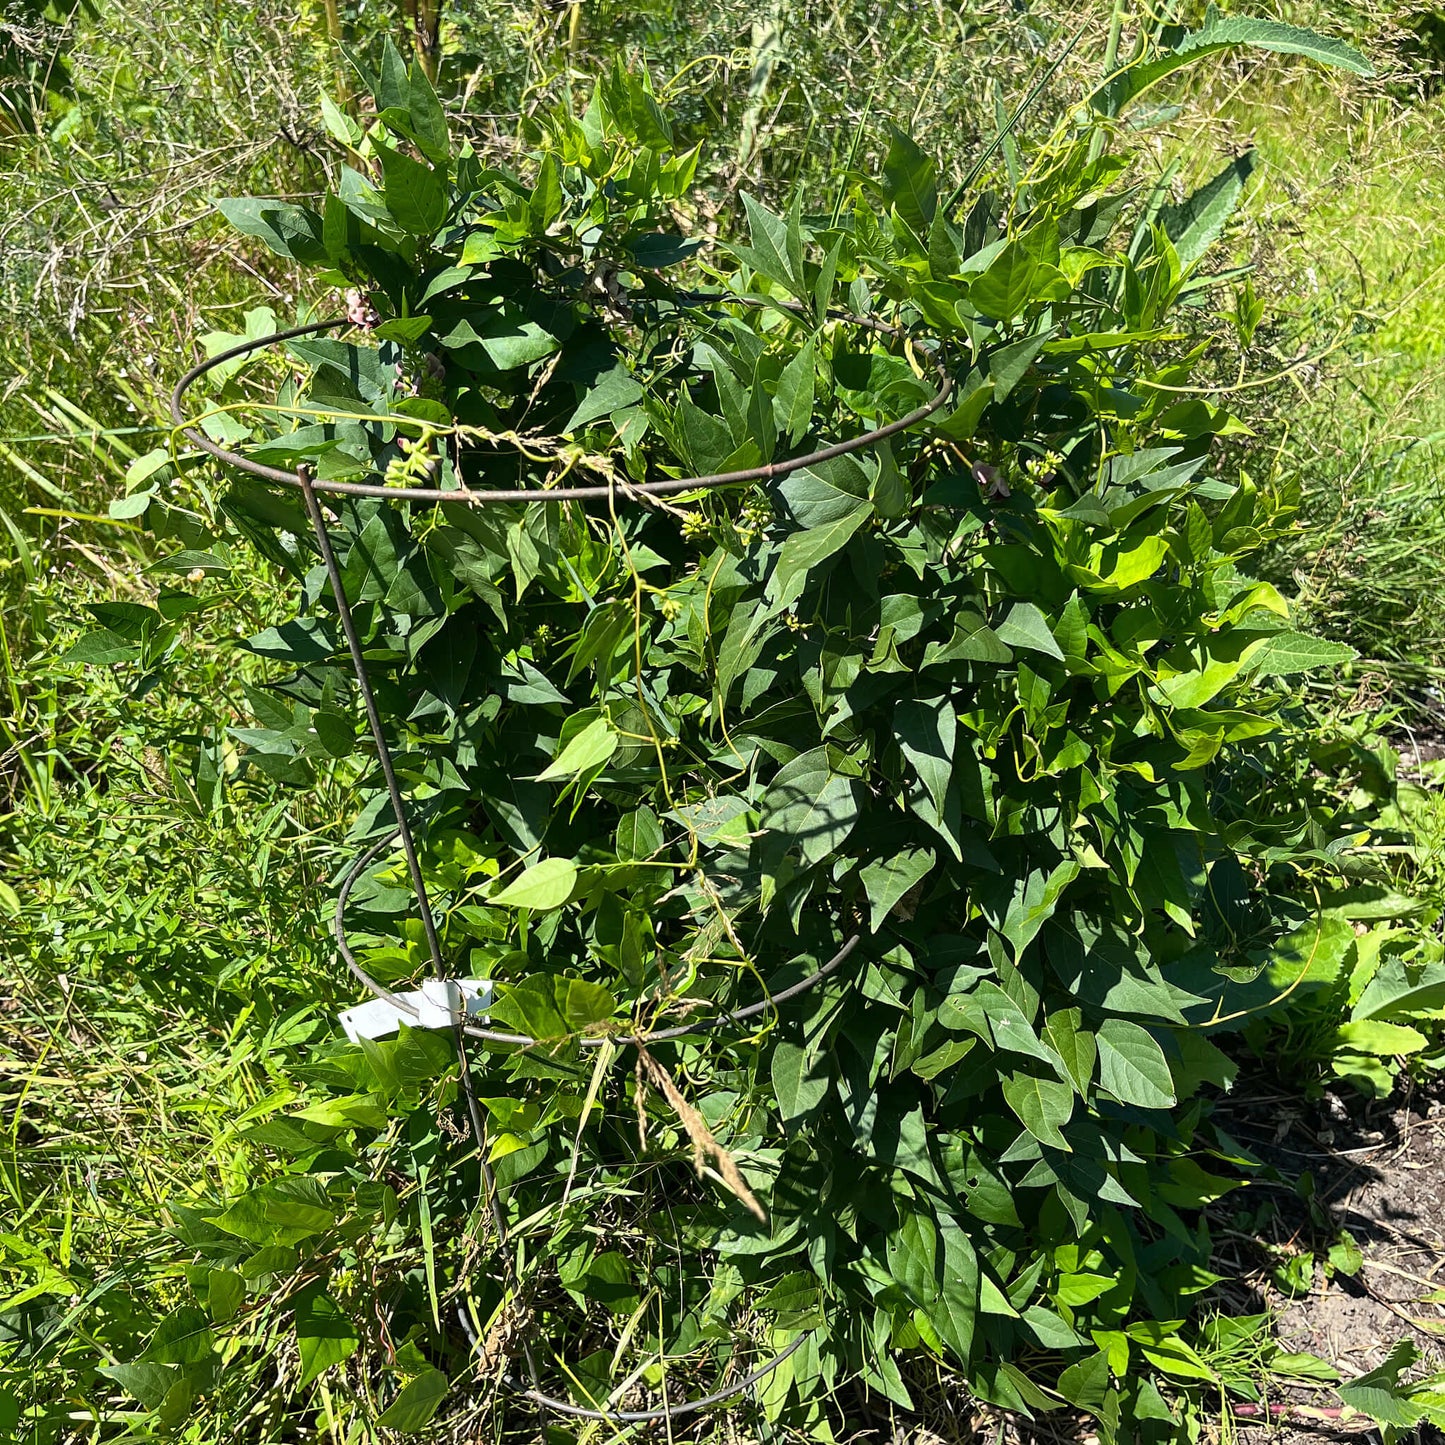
pixel 1247 1410
pixel 1403 1273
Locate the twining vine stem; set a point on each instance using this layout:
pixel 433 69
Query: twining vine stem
pixel 302 480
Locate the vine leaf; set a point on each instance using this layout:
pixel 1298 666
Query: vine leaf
pixel 888 880
pixel 925 732
pixel 1042 1105
pixel 793 399
pixel 1026 627
pixel 291 231
pixel 428 119
pixel 955 1310
pixel 613 391
pixel 1075 1045
pixel 810 805
pixel 1132 1066
pixel 592 747
pixel 803 551
pixel 415 193
pixel 798 1090
pixel 827 491
pixel 148 1383
pixel 911 182
pixel 912 1254
pixel 544 886
pixel 549 1006
pixel 324 1332
pixel 417 1403
pixel 777 249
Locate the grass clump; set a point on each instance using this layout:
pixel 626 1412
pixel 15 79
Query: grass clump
pixel 1348 233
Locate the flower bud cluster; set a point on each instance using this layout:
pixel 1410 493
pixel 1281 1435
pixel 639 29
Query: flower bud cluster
pixel 360 311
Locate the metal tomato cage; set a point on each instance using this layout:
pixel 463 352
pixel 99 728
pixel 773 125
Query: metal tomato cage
pixel 302 481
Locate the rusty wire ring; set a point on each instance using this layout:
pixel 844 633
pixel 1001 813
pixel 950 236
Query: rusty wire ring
pixel 302 481
pixel 587 1041
pixel 494 496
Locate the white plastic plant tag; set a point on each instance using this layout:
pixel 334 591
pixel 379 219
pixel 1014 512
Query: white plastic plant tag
pixel 440 997
pixel 429 1007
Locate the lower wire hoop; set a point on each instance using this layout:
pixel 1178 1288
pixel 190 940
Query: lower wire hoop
pixel 665 1412
pixel 587 1041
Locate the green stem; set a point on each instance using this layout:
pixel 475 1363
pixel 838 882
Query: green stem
pixel 1116 30
pixel 1111 60
pixel 336 37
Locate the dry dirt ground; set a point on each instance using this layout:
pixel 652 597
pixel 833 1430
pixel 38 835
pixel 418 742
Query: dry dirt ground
pixel 1378 1174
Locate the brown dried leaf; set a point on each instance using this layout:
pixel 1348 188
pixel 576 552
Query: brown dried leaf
pixel 705 1148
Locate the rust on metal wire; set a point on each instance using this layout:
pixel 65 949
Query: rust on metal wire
pixel 473 496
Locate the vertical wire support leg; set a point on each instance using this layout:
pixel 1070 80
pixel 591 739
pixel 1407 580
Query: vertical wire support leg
pixel 418 883
pixel 373 718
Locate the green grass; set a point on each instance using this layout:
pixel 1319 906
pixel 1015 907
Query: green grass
pixel 1347 226
pixel 161 958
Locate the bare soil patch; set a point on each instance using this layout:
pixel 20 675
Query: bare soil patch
pixel 1340 1165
